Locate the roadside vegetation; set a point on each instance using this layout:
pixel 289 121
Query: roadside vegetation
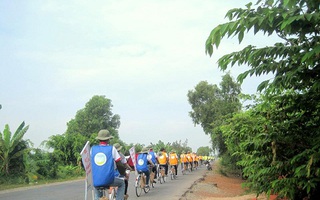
pixel 59 158
pixel 275 141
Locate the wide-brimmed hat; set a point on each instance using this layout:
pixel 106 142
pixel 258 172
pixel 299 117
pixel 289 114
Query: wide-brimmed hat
pixel 117 146
pixel 144 150
pixel 104 135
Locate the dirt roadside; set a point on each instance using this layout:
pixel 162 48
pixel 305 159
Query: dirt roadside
pixel 213 185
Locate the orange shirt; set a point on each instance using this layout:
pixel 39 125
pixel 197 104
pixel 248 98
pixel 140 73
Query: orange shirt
pixel 173 159
pixel 189 157
pixel 183 158
pixel 193 155
pixel 162 158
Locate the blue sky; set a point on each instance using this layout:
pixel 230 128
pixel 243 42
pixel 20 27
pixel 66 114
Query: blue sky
pixel 143 55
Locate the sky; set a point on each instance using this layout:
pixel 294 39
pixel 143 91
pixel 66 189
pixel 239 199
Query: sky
pixel 143 55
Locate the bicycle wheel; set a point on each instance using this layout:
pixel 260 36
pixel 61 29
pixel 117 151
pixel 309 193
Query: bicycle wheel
pixel 160 178
pixel 113 194
pixel 152 179
pixel 164 179
pixel 146 189
pixel 138 186
pixel 184 169
pixel 174 173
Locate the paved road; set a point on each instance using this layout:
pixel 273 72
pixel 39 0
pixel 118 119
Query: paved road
pixel 74 190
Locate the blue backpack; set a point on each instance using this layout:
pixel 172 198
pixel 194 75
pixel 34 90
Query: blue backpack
pixel 102 165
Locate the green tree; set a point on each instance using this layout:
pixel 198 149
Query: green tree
pixel 96 115
pixel 84 127
pixel 211 105
pixel 67 147
pixel 8 144
pixel 204 151
pixel 180 146
pixel 287 145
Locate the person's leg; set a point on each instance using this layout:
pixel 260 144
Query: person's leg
pixel 126 186
pixel 119 182
pixel 147 173
pixel 163 167
pixel 166 167
pixel 154 169
pixel 176 168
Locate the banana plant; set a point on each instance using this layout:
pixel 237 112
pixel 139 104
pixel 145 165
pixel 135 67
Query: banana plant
pixel 8 142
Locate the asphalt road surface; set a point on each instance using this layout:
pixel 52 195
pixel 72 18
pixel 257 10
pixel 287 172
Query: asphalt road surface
pixel 75 190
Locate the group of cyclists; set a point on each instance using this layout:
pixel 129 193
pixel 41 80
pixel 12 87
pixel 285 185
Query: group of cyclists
pixel 110 168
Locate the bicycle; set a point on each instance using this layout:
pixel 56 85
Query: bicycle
pixel 151 181
pixel 108 193
pixel 195 165
pixel 140 184
pixel 172 172
pixel 189 167
pixel 161 174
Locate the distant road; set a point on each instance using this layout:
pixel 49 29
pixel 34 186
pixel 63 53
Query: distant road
pixel 75 190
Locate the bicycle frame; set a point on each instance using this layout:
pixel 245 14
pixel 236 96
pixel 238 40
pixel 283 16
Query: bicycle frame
pixel 140 184
pixel 108 193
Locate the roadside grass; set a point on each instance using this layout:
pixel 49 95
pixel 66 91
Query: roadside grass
pixel 12 185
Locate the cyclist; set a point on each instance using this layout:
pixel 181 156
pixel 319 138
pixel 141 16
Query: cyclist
pixel 154 159
pixel 190 160
pixel 143 160
pixel 173 160
pixel 163 160
pixel 104 171
pixel 197 160
pixel 124 162
pixel 183 160
pixel 194 159
pixel 201 160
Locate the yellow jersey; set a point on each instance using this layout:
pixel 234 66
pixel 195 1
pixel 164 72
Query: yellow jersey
pixel 173 159
pixel 162 158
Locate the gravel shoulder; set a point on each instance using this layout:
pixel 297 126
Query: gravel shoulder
pixel 219 187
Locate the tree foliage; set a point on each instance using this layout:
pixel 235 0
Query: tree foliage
pixel 67 147
pixel 295 61
pixel 11 146
pixel 178 146
pixel 278 139
pixel 211 105
pixel 96 115
pixel 204 151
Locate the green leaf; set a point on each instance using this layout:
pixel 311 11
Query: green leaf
pixel 263 85
pixel 240 36
pixel 285 2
